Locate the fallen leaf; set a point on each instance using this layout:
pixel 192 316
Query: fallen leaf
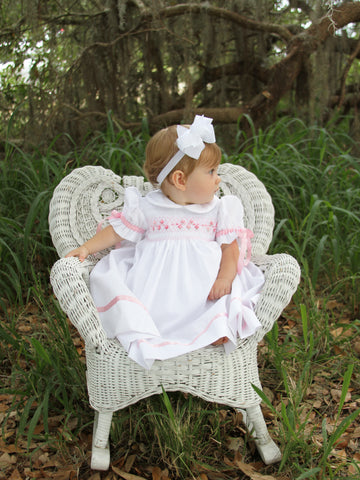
pixel 336 395
pixel 228 462
pixel 250 471
pixel 156 473
pixel 96 476
pixel 109 476
pixel 65 475
pixel 353 446
pixel 269 393
pixel 129 462
pixel 15 475
pixel 43 458
pixel 357 348
pixel 352 469
pixel 339 351
pixel 24 329
pixel 339 454
pixel 333 304
pixel 125 475
pixel 6 460
pixel 356 457
pixel 235 443
pixel 10 448
pixel 31 473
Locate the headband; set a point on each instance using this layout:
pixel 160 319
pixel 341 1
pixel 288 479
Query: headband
pixel 190 142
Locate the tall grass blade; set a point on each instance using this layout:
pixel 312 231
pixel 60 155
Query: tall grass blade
pixel 334 437
pixel 318 257
pixel 345 388
pixel 312 473
pixel 304 319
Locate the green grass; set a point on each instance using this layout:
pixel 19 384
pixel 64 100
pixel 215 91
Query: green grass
pixel 314 182
pixel 26 186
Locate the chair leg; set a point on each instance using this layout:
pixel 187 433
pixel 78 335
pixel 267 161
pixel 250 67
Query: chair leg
pixel 100 457
pixel 254 420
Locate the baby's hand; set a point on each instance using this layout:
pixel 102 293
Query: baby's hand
pixel 80 252
pixel 221 287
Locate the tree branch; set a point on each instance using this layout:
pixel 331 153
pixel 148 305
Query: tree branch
pixel 345 73
pixel 220 115
pixel 64 19
pixel 210 75
pixel 195 8
pixel 72 18
pixel 337 18
pixel 280 77
pixel 283 74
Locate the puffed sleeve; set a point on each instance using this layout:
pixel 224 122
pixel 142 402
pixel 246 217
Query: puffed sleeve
pixel 130 223
pixel 230 227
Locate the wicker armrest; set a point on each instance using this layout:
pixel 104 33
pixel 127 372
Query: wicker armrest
pixel 69 279
pixel 282 276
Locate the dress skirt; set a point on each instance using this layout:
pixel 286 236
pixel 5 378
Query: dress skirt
pixel 152 292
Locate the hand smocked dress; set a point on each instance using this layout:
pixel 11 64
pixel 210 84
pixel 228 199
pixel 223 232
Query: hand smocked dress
pixel 152 292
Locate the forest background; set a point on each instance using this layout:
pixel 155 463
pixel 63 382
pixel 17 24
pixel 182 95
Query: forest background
pixel 88 82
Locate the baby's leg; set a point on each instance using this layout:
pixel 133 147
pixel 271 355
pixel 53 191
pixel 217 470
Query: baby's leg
pixel 221 341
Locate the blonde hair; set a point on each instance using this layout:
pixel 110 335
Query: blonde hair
pixel 162 147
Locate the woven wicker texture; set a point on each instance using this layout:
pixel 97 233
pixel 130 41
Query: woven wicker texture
pixel 86 197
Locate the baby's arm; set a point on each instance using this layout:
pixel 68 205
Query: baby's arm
pixel 103 239
pixel 227 271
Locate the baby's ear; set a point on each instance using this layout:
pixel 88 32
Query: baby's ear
pixel 179 179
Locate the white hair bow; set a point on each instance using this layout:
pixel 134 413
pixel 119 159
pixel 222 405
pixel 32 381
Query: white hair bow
pixel 190 142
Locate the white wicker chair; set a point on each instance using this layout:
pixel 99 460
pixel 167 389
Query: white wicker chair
pixel 86 197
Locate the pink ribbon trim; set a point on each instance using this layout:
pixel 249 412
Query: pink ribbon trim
pixel 166 343
pixel 115 214
pixel 245 236
pixel 119 298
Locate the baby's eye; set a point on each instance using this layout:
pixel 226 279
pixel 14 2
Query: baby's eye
pixel 212 171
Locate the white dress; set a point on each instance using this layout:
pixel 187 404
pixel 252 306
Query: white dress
pixel 152 292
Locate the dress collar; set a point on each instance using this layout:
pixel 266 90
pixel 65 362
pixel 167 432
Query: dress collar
pixel 157 198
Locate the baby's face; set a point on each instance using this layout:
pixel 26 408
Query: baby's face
pixel 202 184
